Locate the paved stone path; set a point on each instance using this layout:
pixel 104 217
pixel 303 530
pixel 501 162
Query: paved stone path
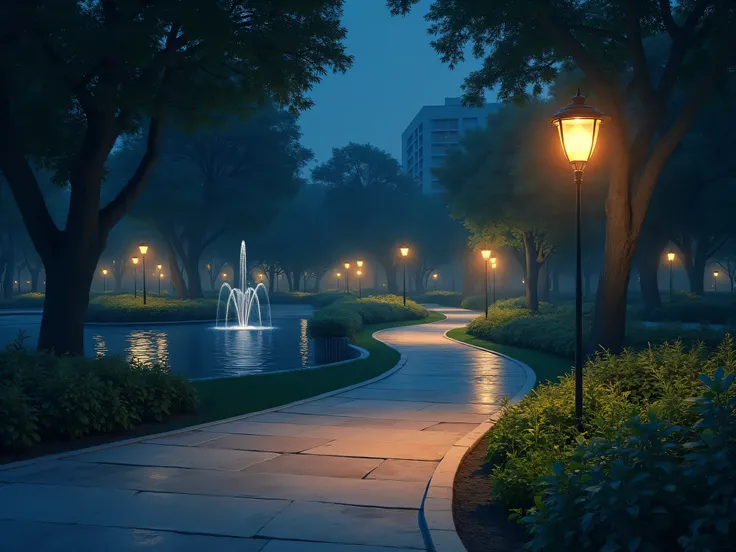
pixel 346 473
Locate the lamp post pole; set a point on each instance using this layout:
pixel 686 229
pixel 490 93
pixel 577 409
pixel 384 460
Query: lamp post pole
pixel 493 268
pixel 578 125
pixel 360 285
pixel 143 248
pixel 159 278
pixel 104 281
pixel 347 277
pixel 715 281
pixel 135 277
pixel 404 253
pixel 486 254
pixel 670 258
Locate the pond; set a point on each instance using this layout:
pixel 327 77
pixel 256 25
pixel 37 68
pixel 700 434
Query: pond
pixel 195 350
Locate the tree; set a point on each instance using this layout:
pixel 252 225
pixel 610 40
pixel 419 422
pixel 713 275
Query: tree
pixel 370 198
pixel 83 74
pixel 224 179
pixel 526 43
pixel 511 191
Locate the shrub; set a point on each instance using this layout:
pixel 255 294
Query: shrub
pixel 317 300
pixel 474 302
pixel 444 298
pixel 32 300
pixel 44 397
pixel 656 487
pixel 345 318
pixel 542 429
pixel 126 308
pixel 694 309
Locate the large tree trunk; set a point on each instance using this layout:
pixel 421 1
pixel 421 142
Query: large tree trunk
pixel 696 273
pixel 35 272
pixel 194 278
pixel 544 282
pixel 177 279
pixel 555 281
pixel 389 269
pixel 531 272
pixel 272 278
pixel 9 268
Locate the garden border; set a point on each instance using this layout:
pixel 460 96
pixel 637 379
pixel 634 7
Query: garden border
pixel 435 515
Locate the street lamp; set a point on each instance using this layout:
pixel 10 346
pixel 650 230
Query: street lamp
pixel 338 280
pixel 715 281
pixel 158 267
pixel 434 277
pixel 486 254
pixel 578 125
pixel 493 267
pixel 360 287
pixel 359 264
pixel 135 277
pixel 404 253
pixel 143 248
pixel 104 280
pixel 347 277
pixel 670 258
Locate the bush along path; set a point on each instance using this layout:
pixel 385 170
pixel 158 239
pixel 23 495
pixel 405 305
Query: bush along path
pixel 346 469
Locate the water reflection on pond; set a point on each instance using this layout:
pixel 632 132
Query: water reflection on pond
pixel 194 350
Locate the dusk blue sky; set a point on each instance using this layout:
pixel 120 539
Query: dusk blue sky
pixel 394 74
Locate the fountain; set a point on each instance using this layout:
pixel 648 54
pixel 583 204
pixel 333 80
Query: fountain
pixel 243 299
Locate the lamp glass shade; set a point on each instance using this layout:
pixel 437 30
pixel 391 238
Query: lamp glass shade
pixel 715 274
pixel 360 273
pixel 486 254
pixel 578 137
pixel 339 274
pixel 404 251
pixel 143 248
pixel 493 266
pixel 135 260
pixel 159 267
pixel 493 260
pixel 347 265
pixel 434 276
pixel 359 263
pixel 670 256
pixel 104 272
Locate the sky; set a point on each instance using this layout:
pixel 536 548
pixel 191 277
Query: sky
pixel 395 72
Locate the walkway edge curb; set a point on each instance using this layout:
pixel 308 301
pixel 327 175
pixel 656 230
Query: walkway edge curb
pixel 435 515
pixel 32 461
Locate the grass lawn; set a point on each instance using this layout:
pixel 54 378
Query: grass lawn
pixel 547 367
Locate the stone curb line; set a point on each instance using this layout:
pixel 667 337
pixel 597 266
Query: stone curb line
pixel 435 515
pixel 32 461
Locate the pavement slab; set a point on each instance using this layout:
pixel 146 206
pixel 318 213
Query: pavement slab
pixel 344 473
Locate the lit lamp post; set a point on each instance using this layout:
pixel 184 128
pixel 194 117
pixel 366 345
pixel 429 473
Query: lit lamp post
pixel 347 277
pixel 578 125
pixel 486 254
pixel 338 280
pixel 493 267
pixel 404 253
pixel 715 281
pixel 104 280
pixel 670 258
pixel 434 277
pixel 143 248
pixel 360 286
pixel 159 278
pixel 135 276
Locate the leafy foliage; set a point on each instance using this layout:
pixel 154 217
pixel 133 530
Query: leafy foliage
pixel 44 397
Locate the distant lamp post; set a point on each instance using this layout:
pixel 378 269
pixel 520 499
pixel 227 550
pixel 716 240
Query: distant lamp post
pixel 359 264
pixel 486 254
pixel 670 259
pixel 435 276
pixel 135 276
pixel 143 248
pixel 404 253
pixel 159 267
pixel 347 277
pixel 715 281
pixel 360 286
pixel 493 268
pixel 578 125
pixel 104 280
pixel 338 280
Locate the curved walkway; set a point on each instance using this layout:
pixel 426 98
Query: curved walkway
pixel 344 473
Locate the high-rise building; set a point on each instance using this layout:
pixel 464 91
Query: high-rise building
pixel 435 130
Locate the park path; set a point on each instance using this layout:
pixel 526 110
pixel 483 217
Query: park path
pixel 344 473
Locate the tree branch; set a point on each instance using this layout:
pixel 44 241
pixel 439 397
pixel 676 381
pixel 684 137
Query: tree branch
pixel 114 211
pixel 209 241
pixel 665 8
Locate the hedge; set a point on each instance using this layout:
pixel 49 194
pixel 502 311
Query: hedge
pixel 45 397
pixel 552 330
pixel 444 298
pixel 345 318
pixel 694 309
pixel 126 308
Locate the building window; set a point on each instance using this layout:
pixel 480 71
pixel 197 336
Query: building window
pixel 445 136
pixel 445 124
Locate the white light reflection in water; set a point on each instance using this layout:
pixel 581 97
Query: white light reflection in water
pixel 99 346
pixel 148 346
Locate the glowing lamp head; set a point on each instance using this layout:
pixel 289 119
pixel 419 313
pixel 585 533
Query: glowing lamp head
pixel 578 125
pixel 104 272
pixel 435 276
pixel 339 274
pixel 143 248
pixel 493 260
pixel 159 266
pixel 359 263
pixel 347 266
pixel 160 274
pixel 404 251
pixel 360 272
pixel 670 256
pixel 135 260
pixel 493 266
pixel 486 254
pixel 224 275
pixel 260 276
pixel 715 274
